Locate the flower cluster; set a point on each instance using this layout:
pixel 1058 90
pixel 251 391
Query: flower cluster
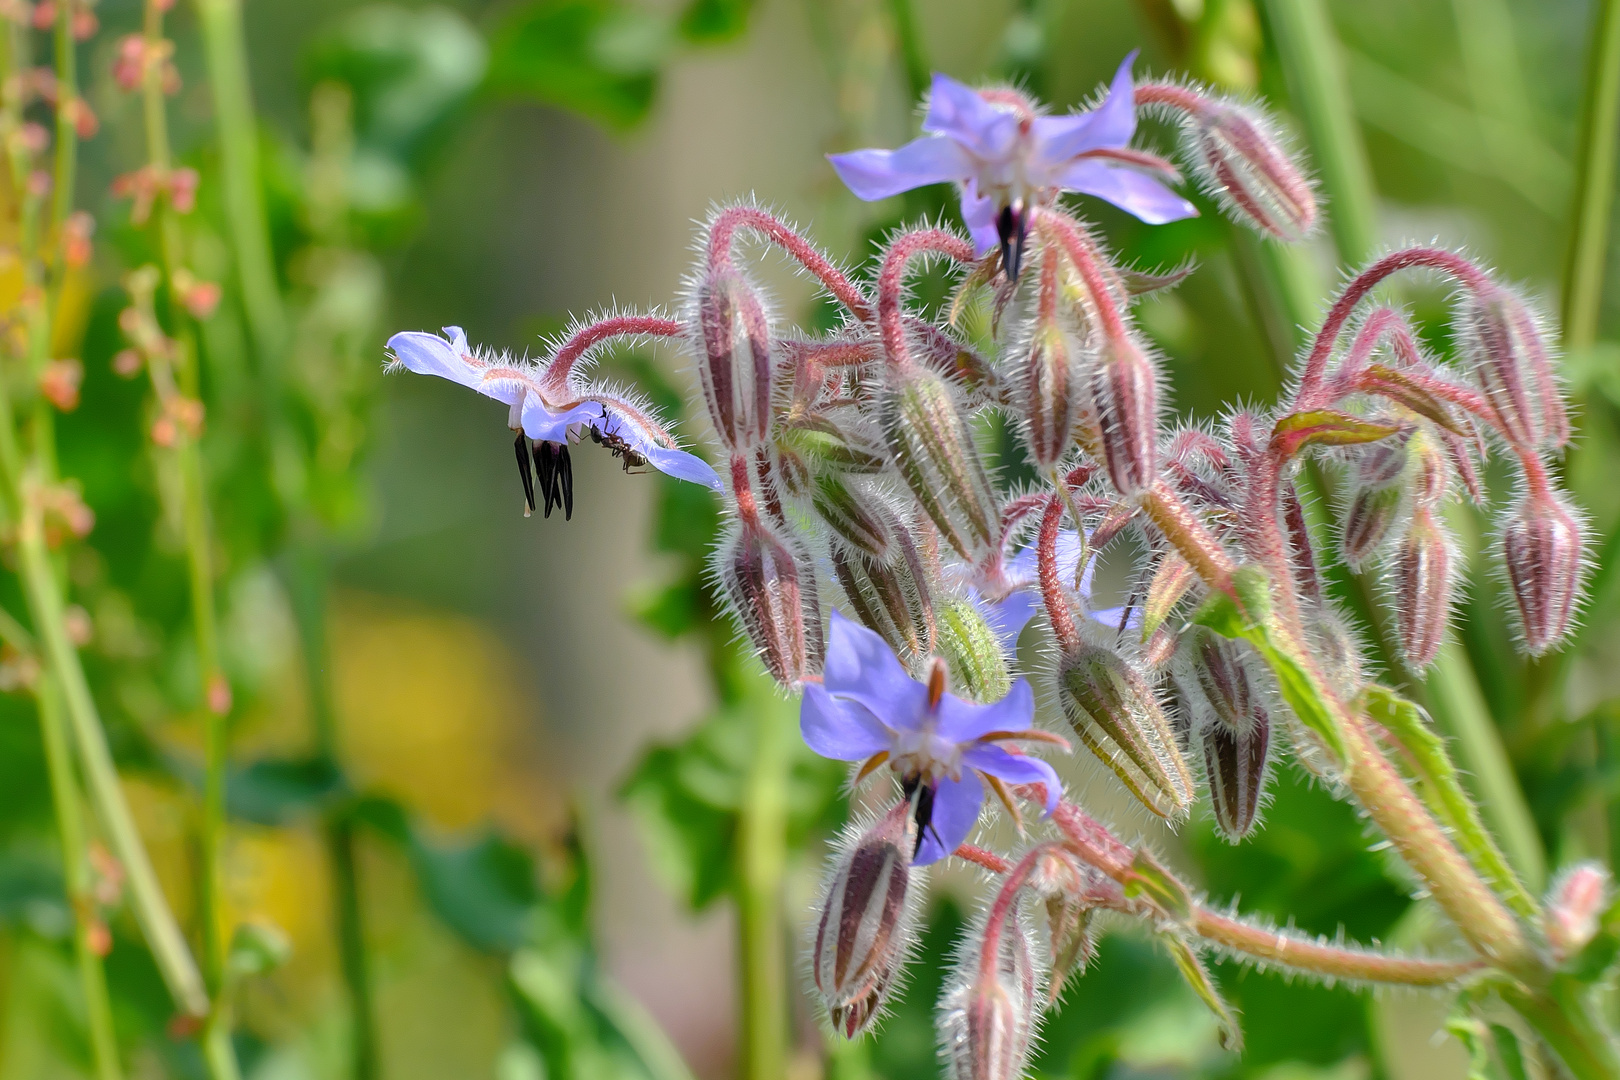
pixel 853 477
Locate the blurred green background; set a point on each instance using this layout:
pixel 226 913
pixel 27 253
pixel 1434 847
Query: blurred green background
pixel 527 868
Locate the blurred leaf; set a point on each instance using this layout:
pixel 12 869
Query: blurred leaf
pixel 274 791
pixel 1198 979
pixel 410 72
pixel 672 610
pixel 598 58
pixel 31 893
pixel 706 22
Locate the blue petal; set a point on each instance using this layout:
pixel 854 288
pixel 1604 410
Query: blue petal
pixel 683 466
pixel 963 722
pixel 877 174
pixel 841 730
pixel 430 354
pixel 956 811
pixel 1015 769
pixel 861 667
pixel 544 425
pixel 1110 617
pixel 1111 124
pixel 979 215
pixel 1131 191
pixel 957 110
pixel 1009 615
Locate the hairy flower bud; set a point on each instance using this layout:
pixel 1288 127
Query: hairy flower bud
pixel 1421 586
pixel 772 589
pixel 973 652
pixel 934 451
pixel 736 367
pixel 1500 337
pixel 988 1022
pixel 1048 392
pixel 851 511
pixel 889 597
pixel 1574 904
pixel 1218 677
pixel 1378 501
pixel 1125 397
pixel 865 928
pixel 1541 547
pixel 1244 165
pixel 1116 714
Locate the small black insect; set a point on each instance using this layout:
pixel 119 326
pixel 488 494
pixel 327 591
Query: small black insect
pixel 921 797
pixel 624 451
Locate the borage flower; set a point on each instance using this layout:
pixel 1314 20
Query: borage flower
pixel 1009 160
pixel 1021 599
pixel 868 708
pixel 551 413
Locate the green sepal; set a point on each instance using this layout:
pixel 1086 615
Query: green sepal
pixel 972 650
pixel 1327 427
pixel 1150 880
pixel 1228 1031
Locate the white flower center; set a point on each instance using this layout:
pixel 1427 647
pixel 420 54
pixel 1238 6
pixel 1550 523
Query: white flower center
pixel 926 754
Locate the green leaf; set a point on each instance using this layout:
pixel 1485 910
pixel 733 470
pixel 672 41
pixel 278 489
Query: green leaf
pixel 1192 968
pixel 707 22
pixel 1252 624
pixel 275 791
pixel 598 58
pixel 1327 427
pixel 1442 789
pixel 1149 878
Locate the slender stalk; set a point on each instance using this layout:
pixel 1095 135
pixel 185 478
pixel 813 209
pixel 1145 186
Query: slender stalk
pixel 1564 1016
pixel 76 878
pixel 1594 182
pixel 762 857
pixel 1289 951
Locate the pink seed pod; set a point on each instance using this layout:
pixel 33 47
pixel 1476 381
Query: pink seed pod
pixel 1541 548
pixel 1505 345
pixel 866 923
pixel 1243 164
pixel 772 588
pixel 933 449
pixel 1421 576
pixel 736 365
pixel 1125 398
pixel 988 1022
pixel 1575 903
pixel 1116 714
pixel 1219 678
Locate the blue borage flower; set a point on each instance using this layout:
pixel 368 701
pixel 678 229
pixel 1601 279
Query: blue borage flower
pixel 1012 612
pixel 944 749
pixel 1008 160
pixel 552 415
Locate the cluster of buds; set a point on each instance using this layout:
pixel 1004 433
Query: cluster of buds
pixel 82 21
pixel 146 185
pixel 140 57
pixel 853 471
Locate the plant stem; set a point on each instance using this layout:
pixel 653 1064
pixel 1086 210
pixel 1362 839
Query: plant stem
pixel 1564 1016
pixel 762 856
pixel 76 879
pixel 1594 182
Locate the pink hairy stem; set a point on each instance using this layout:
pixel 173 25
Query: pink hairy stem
pixel 722 233
pixel 742 489
pixel 989 860
pixel 892 280
pixel 555 377
pixel 1176 97
pixel 1052 592
pixel 1419 258
pixel 1190 536
pixel 1006 900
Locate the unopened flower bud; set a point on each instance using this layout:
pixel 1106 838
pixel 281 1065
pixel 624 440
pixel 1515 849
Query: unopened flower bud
pixel 888 597
pixel 1125 397
pixel 772 589
pixel 1220 679
pixel 1502 340
pixel 987 1023
pixel 1421 582
pixel 59 381
pixel 934 451
pixel 1243 163
pixel 1541 546
pixel 853 512
pixel 1574 904
pixel 973 651
pixel 1116 714
pixel 866 923
pixel 1048 392
pixel 736 366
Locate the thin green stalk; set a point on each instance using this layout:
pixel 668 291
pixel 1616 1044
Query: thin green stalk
pixel 762 857
pixel 1564 1016
pixel 1594 182
pixel 76 879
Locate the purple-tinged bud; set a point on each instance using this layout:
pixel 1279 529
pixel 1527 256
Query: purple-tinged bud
pixel 736 367
pixel 1507 349
pixel 1048 393
pixel 1219 678
pixel 1421 576
pixel 1125 400
pixel 1574 905
pixel 933 449
pixel 1244 165
pixel 1369 521
pixel 988 1022
pixel 1541 547
pixel 772 589
pixel 865 928
pixel 1116 714
pixel 888 597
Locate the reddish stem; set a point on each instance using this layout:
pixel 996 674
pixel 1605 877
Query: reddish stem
pixel 980 857
pixel 555 377
pixel 892 280
pixel 1082 253
pixel 1006 899
pixel 742 490
pixel 1052 592
pixel 1190 536
pixel 1176 97
pixel 726 223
